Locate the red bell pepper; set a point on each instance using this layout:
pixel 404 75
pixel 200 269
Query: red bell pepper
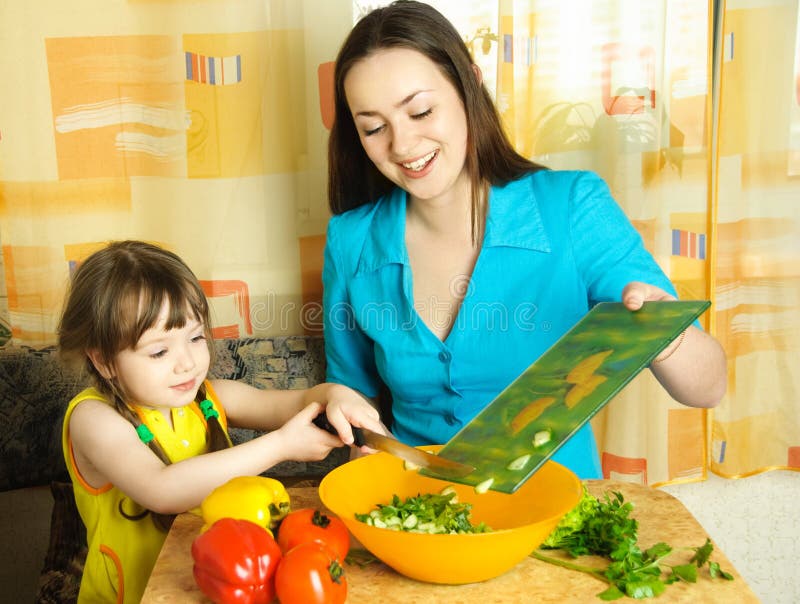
pixel 235 562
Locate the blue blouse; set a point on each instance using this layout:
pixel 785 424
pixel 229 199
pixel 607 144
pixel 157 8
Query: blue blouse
pixel 555 244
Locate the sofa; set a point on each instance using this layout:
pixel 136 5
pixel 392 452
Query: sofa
pixel 34 391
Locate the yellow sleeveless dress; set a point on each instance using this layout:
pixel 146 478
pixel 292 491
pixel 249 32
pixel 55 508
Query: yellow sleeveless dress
pixel 123 551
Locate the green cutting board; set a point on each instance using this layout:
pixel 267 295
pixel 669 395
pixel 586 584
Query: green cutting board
pixel 563 389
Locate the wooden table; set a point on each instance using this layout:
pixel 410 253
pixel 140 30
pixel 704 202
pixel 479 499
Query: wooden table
pixel 661 518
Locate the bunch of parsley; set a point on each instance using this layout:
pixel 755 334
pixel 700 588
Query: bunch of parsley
pixel 605 528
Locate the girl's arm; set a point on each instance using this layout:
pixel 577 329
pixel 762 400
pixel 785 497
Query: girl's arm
pixel 693 368
pixel 107 449
pixel 258 409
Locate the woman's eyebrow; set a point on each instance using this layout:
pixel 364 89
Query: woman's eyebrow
pixel 405 101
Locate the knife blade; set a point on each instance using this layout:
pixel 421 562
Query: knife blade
pixel 439 466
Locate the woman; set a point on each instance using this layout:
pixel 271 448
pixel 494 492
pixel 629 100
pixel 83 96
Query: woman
pixel 452 262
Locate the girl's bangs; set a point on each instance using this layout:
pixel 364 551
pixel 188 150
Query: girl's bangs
pixel 142 304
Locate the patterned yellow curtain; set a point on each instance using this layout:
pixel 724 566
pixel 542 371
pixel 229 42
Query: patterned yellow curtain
pixel 191 124
pixel 757 263
pixel 626 89
pixel 623 88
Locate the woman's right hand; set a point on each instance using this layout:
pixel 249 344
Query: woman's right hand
pixel 302 440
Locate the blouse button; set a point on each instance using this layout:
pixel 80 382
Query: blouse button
pixel 185 443
pixel 180 412
pixel 445 356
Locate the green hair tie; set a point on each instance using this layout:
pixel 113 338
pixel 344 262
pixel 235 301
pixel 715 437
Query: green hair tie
pixel 144 433
pixel 207 407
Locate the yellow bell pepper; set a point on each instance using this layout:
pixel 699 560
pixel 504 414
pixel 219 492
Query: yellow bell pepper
pixel 256 498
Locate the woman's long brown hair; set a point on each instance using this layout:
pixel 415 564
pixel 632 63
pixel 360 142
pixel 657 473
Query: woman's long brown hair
pixel 353 179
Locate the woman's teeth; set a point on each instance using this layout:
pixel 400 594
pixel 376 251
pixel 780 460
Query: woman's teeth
pixel 420 163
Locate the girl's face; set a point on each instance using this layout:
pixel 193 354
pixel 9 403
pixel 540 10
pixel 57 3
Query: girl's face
pixel 166 367
pixel 411 123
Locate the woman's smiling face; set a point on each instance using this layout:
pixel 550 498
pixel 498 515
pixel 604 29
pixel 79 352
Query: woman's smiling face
pixel 411 122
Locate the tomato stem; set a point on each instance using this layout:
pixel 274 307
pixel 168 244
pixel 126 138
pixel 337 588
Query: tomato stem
pixel 319 519
pixel 336 571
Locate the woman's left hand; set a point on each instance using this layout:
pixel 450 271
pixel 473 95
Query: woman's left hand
pixel 636 293
pixel 695 373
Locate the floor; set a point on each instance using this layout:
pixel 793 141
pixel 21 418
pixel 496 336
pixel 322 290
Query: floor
pixel 755 522
pixel 25 530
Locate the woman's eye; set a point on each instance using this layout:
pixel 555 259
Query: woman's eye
pixel 372 131
pixel 199 338
pixel 423 115
pixel 159 354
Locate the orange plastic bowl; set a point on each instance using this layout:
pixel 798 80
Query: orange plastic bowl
pixel 520 521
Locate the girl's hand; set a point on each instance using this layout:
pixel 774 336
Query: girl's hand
pixel 302 440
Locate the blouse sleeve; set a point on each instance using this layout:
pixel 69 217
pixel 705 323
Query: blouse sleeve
pixel 348 350
pixel 608 250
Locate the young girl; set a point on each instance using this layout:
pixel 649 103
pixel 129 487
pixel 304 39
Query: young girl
pixel 150 438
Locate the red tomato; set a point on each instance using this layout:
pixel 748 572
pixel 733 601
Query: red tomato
pixel 310 574
pixel 308 524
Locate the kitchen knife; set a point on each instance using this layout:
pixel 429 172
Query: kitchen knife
pixel 439 467
pixel 517 432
